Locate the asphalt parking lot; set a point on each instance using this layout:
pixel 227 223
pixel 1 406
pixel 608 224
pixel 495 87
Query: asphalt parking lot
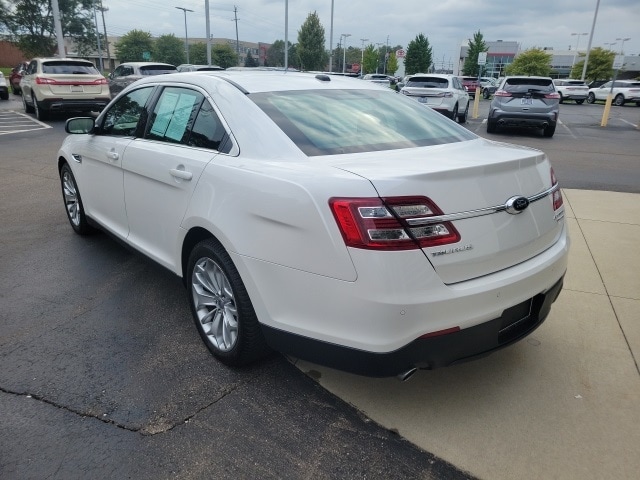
pixel 104 376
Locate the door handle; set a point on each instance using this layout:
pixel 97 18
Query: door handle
pixel 112 155
pixel 183 174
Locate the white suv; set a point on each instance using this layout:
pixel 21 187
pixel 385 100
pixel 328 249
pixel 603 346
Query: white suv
pixel 569 89
pixel 623 91
pixel 63 84
pixel 443 93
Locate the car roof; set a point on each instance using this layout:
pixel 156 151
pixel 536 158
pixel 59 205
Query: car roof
pixel 437 75
pixel 264 81
pixel 61 59
pixel 143 64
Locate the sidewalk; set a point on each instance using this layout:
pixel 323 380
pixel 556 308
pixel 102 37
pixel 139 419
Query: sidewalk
pixel 563 403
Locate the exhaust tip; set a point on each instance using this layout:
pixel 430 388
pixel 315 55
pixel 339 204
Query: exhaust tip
pixel 545 125
pixel 404 376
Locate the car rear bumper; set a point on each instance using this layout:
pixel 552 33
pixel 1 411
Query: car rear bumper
pixel 63 105
pixel 523 119
pixel 447 349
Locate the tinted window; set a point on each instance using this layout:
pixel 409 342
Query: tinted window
pixel 157 69
pixel 69 67
pixel 208 131
pixel 524 85
pixel 123 116
pixel 332 122
pixel 174 114
pixel 428 82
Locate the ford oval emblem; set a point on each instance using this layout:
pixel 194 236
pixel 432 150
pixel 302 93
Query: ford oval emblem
pixel 516 205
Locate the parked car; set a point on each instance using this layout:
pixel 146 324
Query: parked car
pixel 525 102
pixel 16 75
pixel 489 87
pixel 568 89
pixel 4 89
pixel 378 78
pixel 127 73
pixel 623 91
pixel 187 67
pixel 62 85
pixel 470 84
pixel 323 217
pixel 443 93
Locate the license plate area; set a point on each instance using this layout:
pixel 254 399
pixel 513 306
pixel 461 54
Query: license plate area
pixel 77 88
pixel 423 99
pixel 526 101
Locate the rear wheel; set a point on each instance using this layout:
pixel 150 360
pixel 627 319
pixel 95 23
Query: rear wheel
pixel 221 306
pixel 619 100
pixel 492 126
pixel 485 93
pixel 41 114
pixel 4 95
pixel 454 113
pixel 549 131
pixel 591 98
pixel 580 102
pixel 561 97
pixel 462 118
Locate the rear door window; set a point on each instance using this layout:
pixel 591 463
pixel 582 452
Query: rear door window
pixel 69 67
pixel 428 82
pixel 157 69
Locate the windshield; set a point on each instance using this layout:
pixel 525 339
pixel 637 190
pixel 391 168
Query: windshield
pixel 157 69
pixel 332 122
pixel 428 82
pixel 69 67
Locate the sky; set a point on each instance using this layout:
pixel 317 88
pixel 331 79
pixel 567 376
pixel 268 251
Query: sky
pixel 446 23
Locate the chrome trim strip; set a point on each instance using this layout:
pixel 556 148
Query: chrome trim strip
pixel 414 222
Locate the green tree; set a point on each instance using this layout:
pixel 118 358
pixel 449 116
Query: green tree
pixel 476 46
pixel 311 41
pixel 419 55
pixel 275 54
pixel 198 53
pixel 600 66
pixel 224 56
pixel 294 58
pixel 31 22
pixel 133 45
pixel 533 61
pixel 370 61
pixel 249 61
pixel 170 49
pixel 392 64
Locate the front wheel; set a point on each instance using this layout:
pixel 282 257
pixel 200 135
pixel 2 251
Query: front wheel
pixel 619 100
pixel 73 202
pixel 486 94
pixel 580 102
pixel 221 307
pixel 591 98
pixel 27 108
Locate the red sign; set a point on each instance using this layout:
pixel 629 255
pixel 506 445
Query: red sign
pixel 400 53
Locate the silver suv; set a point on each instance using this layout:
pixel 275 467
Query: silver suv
pixel 525 102
pixel 127 73
pixel 443 93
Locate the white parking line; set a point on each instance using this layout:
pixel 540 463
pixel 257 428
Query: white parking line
pixel 567 128
pixel 18 122
pixel 628 123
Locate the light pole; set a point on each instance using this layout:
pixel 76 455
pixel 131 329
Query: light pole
pixel 577 43
pixel 362 53
pixel 622 44
pixel 344 52
pixel 610 44
pixel 186 35
pixel 378 59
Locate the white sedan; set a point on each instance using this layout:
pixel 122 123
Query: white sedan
pixel 323 217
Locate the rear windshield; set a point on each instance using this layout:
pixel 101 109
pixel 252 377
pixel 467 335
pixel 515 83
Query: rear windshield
pixel 69 67
pixel 333 122
pixel 157 69
pixel 523 85
pixel 428 82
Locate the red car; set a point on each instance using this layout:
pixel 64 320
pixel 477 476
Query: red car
pixel 16 76
pixel 470 84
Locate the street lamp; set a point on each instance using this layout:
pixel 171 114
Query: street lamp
pixel 378 59
pixel 622 44
pixel 577 43
pixel 186 35
pixel 362 53
pixel 610 44
pixel 344 51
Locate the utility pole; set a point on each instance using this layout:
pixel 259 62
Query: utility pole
pixel 58 27
pixel 95 17
pixel 386 55
pixel 208 31
pixel 331 42
pixel 186 35
pixel 286 35
pixel 362 54
pixel 106 39
pixel 235 14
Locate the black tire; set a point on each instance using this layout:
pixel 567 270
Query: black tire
pixel 637 104
pixel 591 98
pixel 41 113
pixel 15 90
pixel 454 113
pixel 27 108
pixel 561 98
pixel 580 102
pixel 486 94
pixel 213 278
pixel 549 131
pixel 4 95
pixel 492 126
pixel 73 202
pixel 619 100
pixel 462 118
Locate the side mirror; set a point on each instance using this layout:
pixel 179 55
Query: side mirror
pixel 80 125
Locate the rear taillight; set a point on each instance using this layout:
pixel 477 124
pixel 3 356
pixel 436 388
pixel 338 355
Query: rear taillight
pixel 382 224
pixel 557 195
pixel 502 93
pixel 51 81
pixel 554 95
pixel 45 81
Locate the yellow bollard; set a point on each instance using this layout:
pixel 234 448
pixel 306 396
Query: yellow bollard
pixel 476 103
pixel 607 109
